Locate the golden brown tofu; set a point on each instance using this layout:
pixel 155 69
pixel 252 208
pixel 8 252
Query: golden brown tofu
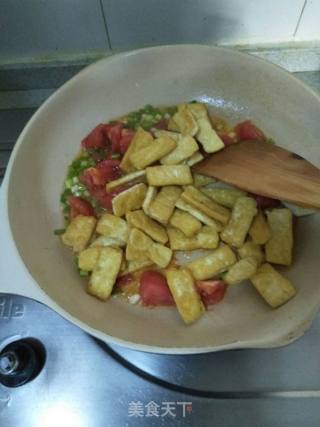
pixel 274 288
pixel 215 263
pixel 79 232
pixel 185 121
pixel 112 226
pixel 105 273
pixel 202 180
pixel 185 294
pixel 140 140
pixel 186 147
pixel 138 246
pixel 199 200
pixel 195 158
pixel 159 176
pixel 172 125
pixel 150 196
pixel 88 258
pixel 251 249
pixel 184 206
pixel 134 266
pixel 159 148
pixel 140 220
pixel 185 222
pixel 224 196
pixel 260 231
pixel 108 241
pixel 279 246
pixel 160 255
pixel 242 215
pixel 207 238
pixel 129 200
pixel 241 270
pixel 173 135
pixel 163 204
pixel 198 110
pixel 133 177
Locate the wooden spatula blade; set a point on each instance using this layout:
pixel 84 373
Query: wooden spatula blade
pixel 265 169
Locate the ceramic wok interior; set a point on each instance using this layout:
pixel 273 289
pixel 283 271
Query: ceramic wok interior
pixel 236 86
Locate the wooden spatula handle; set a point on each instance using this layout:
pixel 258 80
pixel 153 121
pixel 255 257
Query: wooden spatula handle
pixel 265 169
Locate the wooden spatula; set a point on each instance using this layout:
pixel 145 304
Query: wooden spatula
pixel 267 170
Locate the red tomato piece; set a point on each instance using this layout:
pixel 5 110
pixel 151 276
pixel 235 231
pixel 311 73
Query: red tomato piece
pixel 228 139
pixel 248 131
pixel 126 138
pixel 114 134
pixel 109 170
pixel 124 280
pixel 265 202
pixel 73 213
pixel 92 178
pixel 211 291
pixel 80 206
pixel 97 138
pixel 154 289
pixel 162 124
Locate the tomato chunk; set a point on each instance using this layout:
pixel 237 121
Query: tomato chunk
pixel 125 141
pixel 114 134
pixel 211 291
pixel 97 138
pixel 122 281
pixel 109 170
pixel 154 289
pixel 80 206
pixel 248 131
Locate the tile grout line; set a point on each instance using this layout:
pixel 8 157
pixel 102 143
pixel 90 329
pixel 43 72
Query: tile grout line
pixel 300 17
pixel 105 24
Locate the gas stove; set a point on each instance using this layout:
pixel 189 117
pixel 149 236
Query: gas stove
pixel 52 373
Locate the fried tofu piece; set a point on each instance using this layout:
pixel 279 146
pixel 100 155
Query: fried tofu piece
pixel 138 246
pixel 207 238
pixel 274 288
pixel 206 135
pixel 185 121
pixel 108 241
pixel 199 200
pixel 134 266
pixel 215 263
pixel 163 205
pixel 202 180
pixel 160 255
pixel 196 158
pixel 224 196
pixel 140 140
pixel 186 147
pixel 88 258
pixel 79 232
pixel 150 196
pixel 140 220
pixel 159 176
pixel 251 250
pixel 172 125
pixel 184 206
pixel 241 270
pixel 242 215
pixel 105 273
pixel 279 246
pixel 260 231
pixel 112 226
pixel 158 149
pixel 185 294
pixel 185 222
pixel 133 177
pixel 173 135
pixel 129 200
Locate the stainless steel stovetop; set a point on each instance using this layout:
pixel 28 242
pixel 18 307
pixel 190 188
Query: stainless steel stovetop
pixel 54 374
pixel 77 381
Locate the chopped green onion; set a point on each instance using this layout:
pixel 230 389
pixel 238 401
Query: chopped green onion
pixel 83 273
pixel 115 156
pixel 59 231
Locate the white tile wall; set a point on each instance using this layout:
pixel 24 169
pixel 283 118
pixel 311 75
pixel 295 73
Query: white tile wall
pixel 147 22
pixel 309 27
pixel 46 27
